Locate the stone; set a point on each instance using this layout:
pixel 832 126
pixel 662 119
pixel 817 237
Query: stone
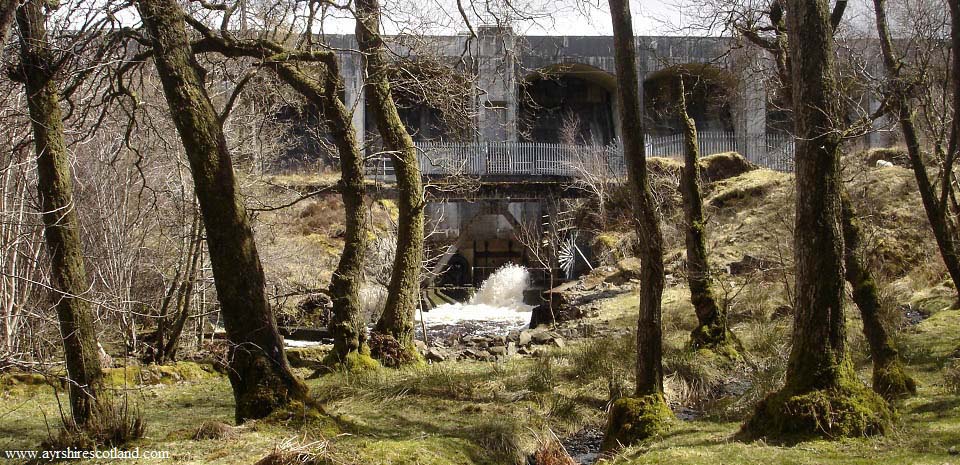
pixel 523 351
pixel 511 348
pixel 420 345
pixel 525 338
pixel 544 337
pixel 498 350
pixel 436 354
pixel 559 343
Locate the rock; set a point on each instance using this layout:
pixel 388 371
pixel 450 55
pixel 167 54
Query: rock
pixel 884 164
pixel 436 354
pixel 523 351
pixel 748 264
pixel 889 157
pixel 544 337
pixel 559 342
pixel 216 430
pixel 781 312
pixel 724 165
pixel 498 350
pixel 511 348
pixel 314 310
pixel 953 450
pixel 420 345
pixel 484 356
pixel 524 338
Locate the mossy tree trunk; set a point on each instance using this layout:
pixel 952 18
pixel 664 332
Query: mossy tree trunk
pixel 889 379
pixel 61 229
pixel 822 395
pixel 633 419
pixel 944 229
pixel 396 322
pixel 347 325
pixel 259 373
pixel 711 331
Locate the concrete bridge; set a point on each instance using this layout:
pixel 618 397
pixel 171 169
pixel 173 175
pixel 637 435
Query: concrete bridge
pixel 543 109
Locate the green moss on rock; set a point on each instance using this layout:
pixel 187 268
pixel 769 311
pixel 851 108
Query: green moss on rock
pixel 633 419
pixel 848 410
pixel 354 362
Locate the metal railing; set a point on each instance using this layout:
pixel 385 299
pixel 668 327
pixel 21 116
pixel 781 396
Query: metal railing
pixel 773 151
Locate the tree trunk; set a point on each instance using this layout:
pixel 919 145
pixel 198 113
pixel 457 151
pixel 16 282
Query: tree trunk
pixel 639 417
pixel 184 295
pixel 61 229
pixel 395 326
pixel 889 379
pixel 259 373
pixel 944 231
pixel 711 331
pixel 347 325
pixel 822 395
pixel 8 9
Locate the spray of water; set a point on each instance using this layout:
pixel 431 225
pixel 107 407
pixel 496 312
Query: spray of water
pixel 499 300
pixel 504 288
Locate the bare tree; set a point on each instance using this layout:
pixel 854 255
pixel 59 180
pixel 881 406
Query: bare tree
pixel 711 331
pixel 259 373
pixel 395 326
pixel 638 417
pixel 61 232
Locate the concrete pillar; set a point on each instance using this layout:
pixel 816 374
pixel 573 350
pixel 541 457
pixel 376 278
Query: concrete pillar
pixel 749 105
pixel 351 70
pixel 496 79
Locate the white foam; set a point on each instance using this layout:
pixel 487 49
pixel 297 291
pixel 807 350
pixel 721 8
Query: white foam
pixel 499 299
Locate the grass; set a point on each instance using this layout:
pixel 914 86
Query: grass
pixel 497 413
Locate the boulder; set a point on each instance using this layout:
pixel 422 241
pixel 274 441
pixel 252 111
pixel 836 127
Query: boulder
pixel 498 350
pixel 436 354
pixel 525 338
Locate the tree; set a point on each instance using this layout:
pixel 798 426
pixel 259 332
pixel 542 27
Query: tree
pixel 936 208
pixel 61 231
pixel 259 373
pixel 711 331
pixel 821 395
pixel 889 378
pixel 8 9
pixel 395 327
pixel 347 325
pixel 643 415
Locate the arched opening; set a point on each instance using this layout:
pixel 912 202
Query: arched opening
pixel 709 90
pixel 433 98
pixel 568 103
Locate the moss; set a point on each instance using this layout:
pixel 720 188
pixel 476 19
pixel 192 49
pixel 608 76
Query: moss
pixel 301 415
pixel 846 410
pixel 158 374
pixel 634 419
pixel 23 379
pixel 354 362
pixel 390 207
pixel 307 357
pixel 892 382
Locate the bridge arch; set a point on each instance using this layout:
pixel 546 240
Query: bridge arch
pixel 710 92
pixel 568 103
